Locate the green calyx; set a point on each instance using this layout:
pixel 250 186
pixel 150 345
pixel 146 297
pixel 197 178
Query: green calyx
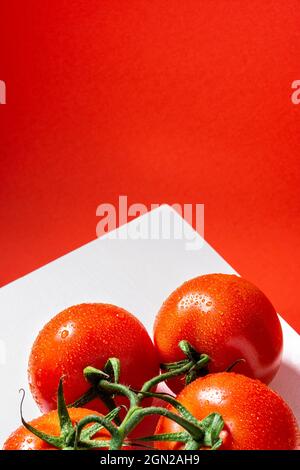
pixel 105 385
pixel 109 374
pixel 195 363
pixel 210 428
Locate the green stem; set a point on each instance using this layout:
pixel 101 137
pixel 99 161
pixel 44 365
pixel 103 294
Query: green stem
pixel 84 399
pixel 176 404
pixel 138 414
pixel 108 425
pixel 190 366
pixel 120 390
pixel 192 445
pixel 87 444
pixel 166 437
pixel 198 366
pixel 167 375
pixel 88 434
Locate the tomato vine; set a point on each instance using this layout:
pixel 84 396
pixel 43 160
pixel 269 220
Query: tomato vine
pixel 105 384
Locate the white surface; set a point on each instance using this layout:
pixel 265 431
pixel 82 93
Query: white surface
pixel 134 274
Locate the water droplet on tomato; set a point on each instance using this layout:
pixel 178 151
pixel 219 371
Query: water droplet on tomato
pixel 66 330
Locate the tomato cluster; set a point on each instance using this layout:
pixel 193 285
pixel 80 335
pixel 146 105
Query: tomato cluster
pixel 218 343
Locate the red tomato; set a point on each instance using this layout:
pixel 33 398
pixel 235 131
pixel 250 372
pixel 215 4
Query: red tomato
pixel 22 439
pixel 255 417
pixel 83 335
pixel 227 318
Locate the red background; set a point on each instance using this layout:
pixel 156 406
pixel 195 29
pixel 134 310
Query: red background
pixel 165 101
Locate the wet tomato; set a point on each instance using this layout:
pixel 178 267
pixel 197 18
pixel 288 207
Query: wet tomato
pixel 227 318
pixel 22 439
pixel 255 417
pixel 88 335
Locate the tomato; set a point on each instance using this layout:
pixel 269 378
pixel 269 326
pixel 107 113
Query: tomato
pixel 87 335
pixel 22 439
pixel 255 417
pixel 227 318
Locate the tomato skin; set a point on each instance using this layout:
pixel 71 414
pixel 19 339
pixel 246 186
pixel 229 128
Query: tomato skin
pixel 87 335
pixel 22 439
pixel 256 418
pixel 227 318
